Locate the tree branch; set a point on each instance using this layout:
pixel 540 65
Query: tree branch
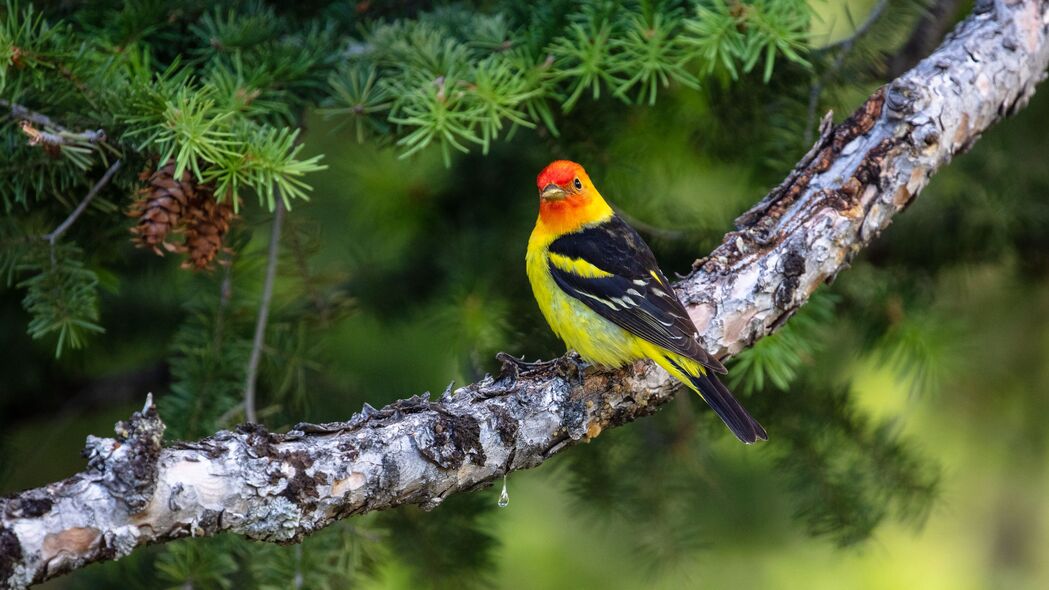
pixel 281 487
pixel 58 135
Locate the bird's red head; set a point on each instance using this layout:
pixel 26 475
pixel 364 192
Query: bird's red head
pixel 567 198
pixel 559 173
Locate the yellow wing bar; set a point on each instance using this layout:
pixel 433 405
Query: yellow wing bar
pixel 577 266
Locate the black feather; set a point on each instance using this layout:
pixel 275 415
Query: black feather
pixel 637 297
pixel 727 407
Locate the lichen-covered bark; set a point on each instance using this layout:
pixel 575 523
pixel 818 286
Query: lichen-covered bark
pixel 280 487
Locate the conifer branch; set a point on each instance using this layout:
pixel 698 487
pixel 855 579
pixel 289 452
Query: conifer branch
pixel 282 487
pixel 20 112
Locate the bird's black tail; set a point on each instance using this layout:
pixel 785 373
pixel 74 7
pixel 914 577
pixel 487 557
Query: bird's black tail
pixel 720 399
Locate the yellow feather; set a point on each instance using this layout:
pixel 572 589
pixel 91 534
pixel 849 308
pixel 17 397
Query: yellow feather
pixel 595 338
pixel 577 266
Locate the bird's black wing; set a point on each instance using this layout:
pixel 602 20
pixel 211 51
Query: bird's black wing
pixel 634 295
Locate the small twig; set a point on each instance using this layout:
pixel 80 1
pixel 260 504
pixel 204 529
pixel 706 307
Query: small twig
pixel 264 309
pixel 52 237
pixel 53 133
pixel 38 137
pixel 859 31
pixel 102 182
pixel 20 112
pixel 298 580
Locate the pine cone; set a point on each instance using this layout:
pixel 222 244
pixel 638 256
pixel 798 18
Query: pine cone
pixel 206 226
pixel 160 207
pixel 167 206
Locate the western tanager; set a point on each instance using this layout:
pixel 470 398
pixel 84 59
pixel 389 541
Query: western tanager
pixel 600 289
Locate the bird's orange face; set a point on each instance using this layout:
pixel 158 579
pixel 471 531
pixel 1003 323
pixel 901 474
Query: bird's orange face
pixel 567 198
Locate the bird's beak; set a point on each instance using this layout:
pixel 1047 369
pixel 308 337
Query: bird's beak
pixel 552 192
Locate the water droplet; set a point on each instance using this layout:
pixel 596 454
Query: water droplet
pixel 504 497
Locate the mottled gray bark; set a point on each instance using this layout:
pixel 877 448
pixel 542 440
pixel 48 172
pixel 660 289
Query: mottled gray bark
pixel 280 487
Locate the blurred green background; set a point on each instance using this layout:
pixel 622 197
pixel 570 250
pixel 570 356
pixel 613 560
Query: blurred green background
pixel 905 404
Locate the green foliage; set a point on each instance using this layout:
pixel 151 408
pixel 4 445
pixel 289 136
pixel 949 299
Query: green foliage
pixel 31 173
pixel 187 125
pixel 923 351
pixel 716 38
pixel 649 41
pixel 229 30
pixel 737 36
pixel 613 484
pixel 852 474
pixel 439 111
pixel 458 79
pixel 28 41
pixel 445 548
pixel 210 350
pixel 776 29
pixel 16 243
pixel 198 563
pixel 184 126
pixel 356 88
pixel 268 162
pixel 340 556
pixel 337 557
pixel 583 54
pixel 61 298
pixel 476 320
pixel 61 294
pixel 312 302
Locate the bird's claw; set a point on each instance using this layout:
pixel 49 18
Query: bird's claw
pixel 572 367
pixel 519 365
pixel 306 428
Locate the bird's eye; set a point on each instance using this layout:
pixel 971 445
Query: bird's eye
pixel 578 184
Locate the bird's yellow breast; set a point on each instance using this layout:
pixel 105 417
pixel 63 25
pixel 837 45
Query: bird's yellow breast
pixel 595 339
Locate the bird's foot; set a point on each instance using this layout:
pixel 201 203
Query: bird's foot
pixel 305 428
pixel 519 365
pixel 572 367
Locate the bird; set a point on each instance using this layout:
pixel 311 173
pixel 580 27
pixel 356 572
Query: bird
pixel 600 288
